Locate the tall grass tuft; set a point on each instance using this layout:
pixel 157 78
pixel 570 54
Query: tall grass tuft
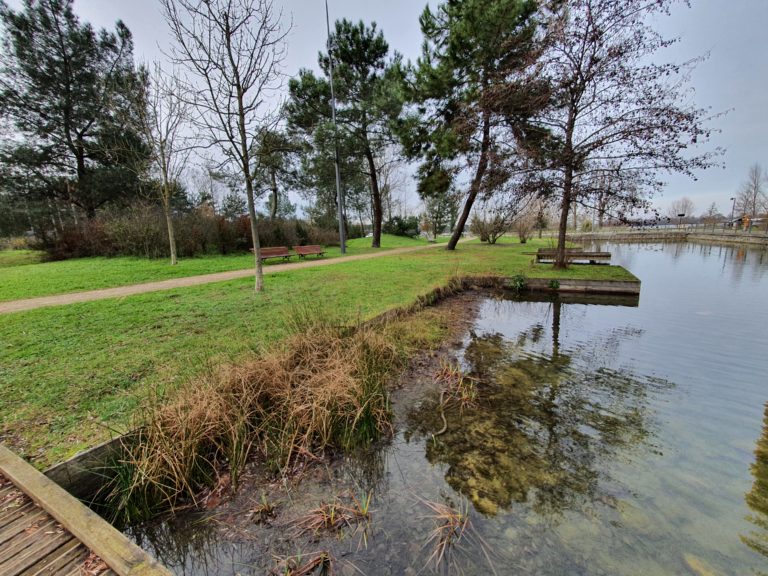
pixel 323 387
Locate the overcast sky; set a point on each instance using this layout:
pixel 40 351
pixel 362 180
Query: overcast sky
pixel 734 78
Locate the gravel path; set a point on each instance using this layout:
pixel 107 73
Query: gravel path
pixel 121 291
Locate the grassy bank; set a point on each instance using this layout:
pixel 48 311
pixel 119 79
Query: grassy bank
pixel 13 258
pixel 22 275
pixel 68 372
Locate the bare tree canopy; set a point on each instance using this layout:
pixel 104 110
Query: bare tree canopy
pixel 684 206
pixel 752 198
pixel 233 51
pixel 164 115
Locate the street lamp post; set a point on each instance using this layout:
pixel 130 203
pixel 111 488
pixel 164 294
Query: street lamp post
pixel 733 209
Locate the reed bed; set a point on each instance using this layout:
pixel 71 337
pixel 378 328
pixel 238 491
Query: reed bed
pixel 324 387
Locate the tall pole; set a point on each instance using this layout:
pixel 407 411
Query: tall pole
pixel 339 196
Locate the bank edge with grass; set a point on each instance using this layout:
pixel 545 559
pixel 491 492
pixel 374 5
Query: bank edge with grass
pixel 322 390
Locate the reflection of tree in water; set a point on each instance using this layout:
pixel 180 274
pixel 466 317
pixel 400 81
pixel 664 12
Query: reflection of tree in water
pixel 757 497
pixel 541 430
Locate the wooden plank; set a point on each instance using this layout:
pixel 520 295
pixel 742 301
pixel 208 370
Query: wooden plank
pixel 5 491
pixel 22 523
pixel 17 546
pixel 41 546
pixel 14 515
pixel 120 554
pixel 56 558
pixel 73 566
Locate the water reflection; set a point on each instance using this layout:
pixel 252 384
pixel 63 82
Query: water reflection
pixel 542 428
pixel 757 497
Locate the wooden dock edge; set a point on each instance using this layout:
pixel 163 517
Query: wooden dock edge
pixel 113 547
pixel 583 286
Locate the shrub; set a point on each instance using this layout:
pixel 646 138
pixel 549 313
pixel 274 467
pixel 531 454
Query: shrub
pixel 15 243
pixel 408 226
pixel 141 231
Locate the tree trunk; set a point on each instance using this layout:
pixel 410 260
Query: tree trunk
pixel 259 285
pixel 378 210
pixel 568 162
pixel 474 188
pixel 560 260
pixel 273 206
pixel 169 223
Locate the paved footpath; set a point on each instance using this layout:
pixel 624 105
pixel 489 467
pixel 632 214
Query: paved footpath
pixel 120 291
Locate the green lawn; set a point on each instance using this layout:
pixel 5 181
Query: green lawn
pixel 67 372
pixel 45 279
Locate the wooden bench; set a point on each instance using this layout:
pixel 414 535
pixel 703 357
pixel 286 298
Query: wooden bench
pixel 312 249
pixel 275 252
pixel 573 256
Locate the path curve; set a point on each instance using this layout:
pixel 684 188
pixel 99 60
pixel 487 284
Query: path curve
pixel 130 290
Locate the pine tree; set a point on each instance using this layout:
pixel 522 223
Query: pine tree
pixel 368 91
pixel 65 88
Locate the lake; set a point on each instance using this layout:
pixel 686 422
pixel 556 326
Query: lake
pixel 598 436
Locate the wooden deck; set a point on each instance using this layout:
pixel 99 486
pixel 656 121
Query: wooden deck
pixel 46 531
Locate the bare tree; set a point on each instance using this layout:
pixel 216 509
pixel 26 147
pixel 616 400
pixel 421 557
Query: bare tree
pixel 164 116
pixel 683 206
pixel 614 109
pixel 233 49
pixel 752 198
pixel 497 213
pixel 525 222
pixel 392 178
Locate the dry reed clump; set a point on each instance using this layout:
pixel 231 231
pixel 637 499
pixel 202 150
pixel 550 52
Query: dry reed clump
pixel 323 387
pixel 457 386
pixel 337 515
pixel 452 530
pixel 304 564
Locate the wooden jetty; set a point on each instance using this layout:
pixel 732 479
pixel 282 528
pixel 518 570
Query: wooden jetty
pixel 573 256
pixel 44 530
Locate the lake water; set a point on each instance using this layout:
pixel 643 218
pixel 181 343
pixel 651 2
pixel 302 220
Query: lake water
pixel 613 437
